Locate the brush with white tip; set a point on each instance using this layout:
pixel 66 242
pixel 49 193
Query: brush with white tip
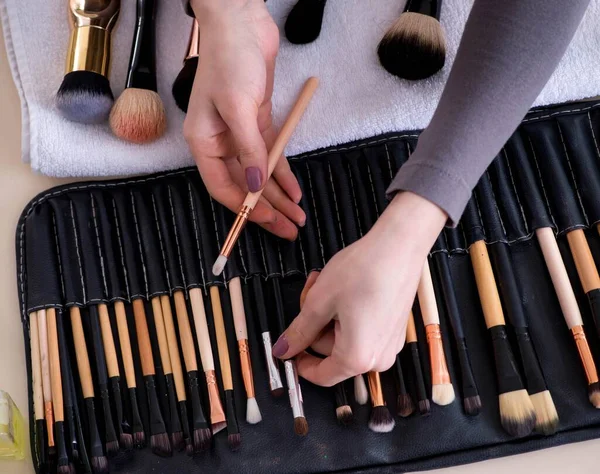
pixel 442 392
pixel 276 151
pixel 381 420
pixel 241 333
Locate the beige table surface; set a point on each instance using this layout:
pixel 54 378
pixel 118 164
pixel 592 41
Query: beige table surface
pixel 18 185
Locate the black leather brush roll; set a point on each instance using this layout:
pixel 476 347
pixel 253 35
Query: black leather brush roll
pixel 101 242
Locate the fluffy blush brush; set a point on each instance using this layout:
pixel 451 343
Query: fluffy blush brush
pixel 182 86
pixel 138 115
pixel 415 46
pixel 303 24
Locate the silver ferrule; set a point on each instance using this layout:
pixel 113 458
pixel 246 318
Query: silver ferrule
pixel 294 391
pixel 274 375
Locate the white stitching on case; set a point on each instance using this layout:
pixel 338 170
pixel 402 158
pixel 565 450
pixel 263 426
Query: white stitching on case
pixel 561 112
pixel 593 134
pixel 160 242
pixel 337 211
pixel 196 233
pixel 360 232
pixel 372 189
pixel 515 189
pixel 487 175
pixel 77 252
pixel 122 253
pixel 60 271
pixel 99 246
pixel 176 236
pixel 137 232
pixel 312 195
pixel 389 161
pixel 537 165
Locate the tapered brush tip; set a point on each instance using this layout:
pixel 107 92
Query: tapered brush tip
pixel 303 24
pixel 442 394
pixel 177 440
pixel 424 407
pixel 472 405
pixel 139 439
pixel 381 420
pixel 253 415
pixel 202 437
pixel 300 426
pixel 545 412
pixel 138 116
pixel 99 465
pixel 220 426
pixel 406 407
pixel 234 440
pixel 414 47
pixel 75 455
pixel 344 415
pixel 219 265
pixel 189 447
pixel 160 445
pixel 64 469
pixel 594 394
pixel 112 448
pixel 182 86
pixel 85 97
pixel 517 413
pixel 361 394
pixel 278 392
pixel 126 441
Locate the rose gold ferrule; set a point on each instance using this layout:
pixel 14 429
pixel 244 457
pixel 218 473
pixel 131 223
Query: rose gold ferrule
pixel 217 415
pixel 193 50
pixel 49 422
pixel 246 367
pixel 92 22
pixel 439 369
pixel 585 354
pixel 375 389
pixel 236 230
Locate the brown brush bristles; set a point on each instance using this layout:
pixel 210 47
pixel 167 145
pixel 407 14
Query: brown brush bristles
pixel 414 47
pixel 189 447
pixel 406 407
pixel 126 441
pixel 112 448
pixel 177 440
pixel 594 394
pixel 381 420
pixel 545 412
pixel 278 392
pixel 138 116
pixel 424 407
pixel 234 440
pixel 344 415
pixel 217 427
pixel 300 426
pixel 99 464
pixel 159 443
pixel 517 414
pixel 139 439
pixel 202 437
pixel 472 405
pixel 66 469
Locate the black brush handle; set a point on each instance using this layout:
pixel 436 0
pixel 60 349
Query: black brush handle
pixel 115 385
pixel 232 424
pixel 198 418
pixel 468 379
pixel 419 380
pixel 594 300
pixel 136 420
pixel 173 409
pixel 341 399
pixel 401 383
pixel 185 422
pixel 94 441
pixel 443 270
pixel 142 64
pixel 61 449
pixel 279 306
pixel 41 443
pixel 507 285
pixel 509 379
pixel 157 423
pixel 78 441
pixel 531 366
pixel 425 7
pixel 259 299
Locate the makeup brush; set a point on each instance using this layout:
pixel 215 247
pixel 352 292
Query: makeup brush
pixel 253 415
pixel 414 47
pixel 412 345
pixel 442 391
pixel 85 95
pixel 38 395
pixel 99 461
pixel 57 394
pixel 276 151
pixel 289 365
pixel 381 420
pixel 343 410
pixel 303 24
pixel 471 401
pixel 182 86
pixel 233 433
pixel 361 394
pixel 405 407
pixel 138 115
pixel 46 386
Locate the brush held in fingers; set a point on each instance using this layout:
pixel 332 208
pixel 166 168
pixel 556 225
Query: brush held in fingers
pixel 182 86
pixel 303 24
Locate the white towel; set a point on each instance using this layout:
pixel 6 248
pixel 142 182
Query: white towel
pixel 356 99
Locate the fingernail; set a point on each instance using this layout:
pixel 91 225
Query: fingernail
pixel 302 221
pixel 253 179
pixel 280 347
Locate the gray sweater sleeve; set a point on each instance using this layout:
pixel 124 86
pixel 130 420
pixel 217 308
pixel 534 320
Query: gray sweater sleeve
pixel 508 52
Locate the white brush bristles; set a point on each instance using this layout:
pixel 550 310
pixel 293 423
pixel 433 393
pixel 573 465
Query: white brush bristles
pixel 253 415
pixel 219 265
pixel 442 394
pixel 361 394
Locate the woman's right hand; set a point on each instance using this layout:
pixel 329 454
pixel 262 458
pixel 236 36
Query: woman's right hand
pixel 229 126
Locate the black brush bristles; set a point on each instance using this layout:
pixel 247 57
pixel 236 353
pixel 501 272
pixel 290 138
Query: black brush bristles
pixel 41 443
pixel 201 433
pixel 125 439
pixel 159 439
pixel 405 407
pixel 139 437
pixel 422 398
pixel 99 465
pixel 234 438
pixel 414 47
pixel 61 450
pixel 182 86
pixel 343 411
pixel 85 97
pixel 304 22
pixel 381 420
pixel 99 461
pixel 175 425
pixel 185 425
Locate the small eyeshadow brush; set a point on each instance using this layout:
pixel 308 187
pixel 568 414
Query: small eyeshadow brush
pixel 412 345
pixel 343 410
pixel 38 395
pixel 405 405
pixel 381 420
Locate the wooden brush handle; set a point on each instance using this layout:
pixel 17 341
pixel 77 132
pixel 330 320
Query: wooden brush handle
pixel 237 306
pixel 143 337
pixel 284 135
pixel 427 302
pixel 560 278
pixel 125 343
pixel 55 376
pixel 375 389
pixel 173 346
pixel 185 332
pixel 486 285
pixel 586 267
pixel 43 335
pixel 81 353
pixel 197 302
pixel 110 353
pixel 215 299
pixel 411 330
pixel 161 335
pixel 36 367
